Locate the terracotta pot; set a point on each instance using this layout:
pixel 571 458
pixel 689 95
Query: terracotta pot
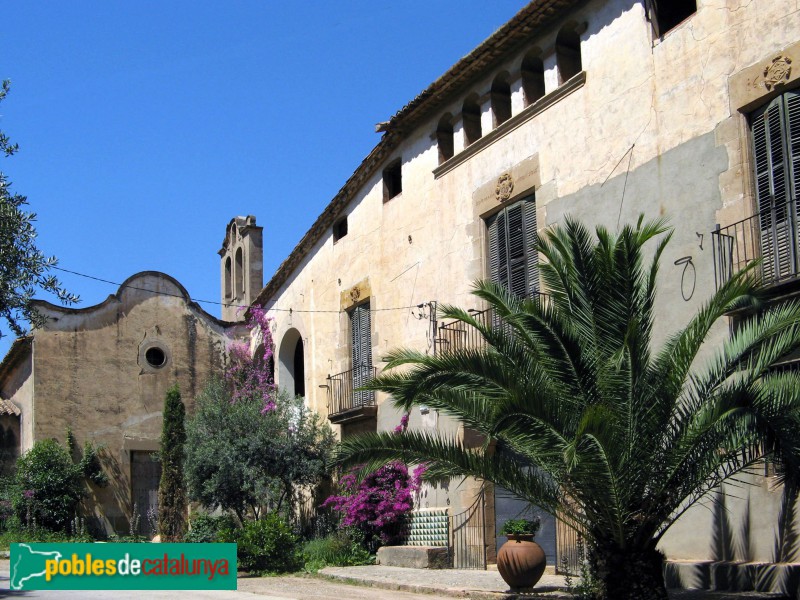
pixel 521 561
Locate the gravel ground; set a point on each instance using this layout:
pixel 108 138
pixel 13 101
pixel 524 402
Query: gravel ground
pixel 368 583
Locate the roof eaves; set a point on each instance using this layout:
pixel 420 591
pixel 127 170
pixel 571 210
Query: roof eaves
pixel 18 350
pixel 8 408
pixel 516 31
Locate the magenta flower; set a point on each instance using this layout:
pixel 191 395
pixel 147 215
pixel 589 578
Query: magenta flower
pixel 379 504
pixel 250 377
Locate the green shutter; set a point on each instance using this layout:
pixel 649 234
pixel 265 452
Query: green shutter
pixel 531 255
pixel 776 152
pixel 493 225
pixel 361 348
pixel 512 261
pixel 792 111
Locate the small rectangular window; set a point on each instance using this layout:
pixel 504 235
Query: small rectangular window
pixel 667 14
pixel 392 180
pixel 339 229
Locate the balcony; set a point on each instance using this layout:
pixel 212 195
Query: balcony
pixel 771 235
pixel 454 336
pixel 345 404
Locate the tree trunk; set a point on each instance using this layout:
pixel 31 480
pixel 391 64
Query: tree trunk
pixel 628 573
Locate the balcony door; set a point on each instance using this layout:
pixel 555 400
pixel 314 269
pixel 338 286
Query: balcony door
pixel 776 152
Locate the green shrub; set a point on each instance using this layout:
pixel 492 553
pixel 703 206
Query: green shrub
pixel 48 486
pixel 205 529
pixel 265 546
pixel 339 549
pixel 16 533
pixel 171 492
pixel 521 526
pixel 7 488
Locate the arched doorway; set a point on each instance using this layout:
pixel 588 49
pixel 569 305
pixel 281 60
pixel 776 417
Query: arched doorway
pixel 291 363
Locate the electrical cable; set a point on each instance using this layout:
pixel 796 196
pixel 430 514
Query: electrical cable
pixel 199 301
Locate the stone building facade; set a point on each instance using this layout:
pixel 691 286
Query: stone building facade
pixel 601 109
pixel 242 269
pixel 103 371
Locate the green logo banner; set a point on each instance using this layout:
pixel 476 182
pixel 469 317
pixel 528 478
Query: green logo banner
pixel 123 566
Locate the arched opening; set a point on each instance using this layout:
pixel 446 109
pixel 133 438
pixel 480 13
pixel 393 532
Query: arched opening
pixel 471 118
pixel 239 273
pixel 568 53
pixel 501 99
pixel 291 363
pixel 228 278
pixel 299 369
pixel 444 137
pixel 265 363
pixel 532 77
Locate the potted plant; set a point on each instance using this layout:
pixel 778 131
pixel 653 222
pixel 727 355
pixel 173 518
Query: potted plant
pixel 521 561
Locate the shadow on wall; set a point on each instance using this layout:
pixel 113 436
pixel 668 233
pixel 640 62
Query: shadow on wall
pixel 730 568
pixel 116 497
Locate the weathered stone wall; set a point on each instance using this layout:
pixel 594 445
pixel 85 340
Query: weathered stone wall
pixel 92 375
pixel 16 386
pixel 650 127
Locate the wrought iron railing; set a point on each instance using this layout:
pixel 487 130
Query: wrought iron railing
pixel 457 335
pixel 469 535
pixel 770 235
pixel 570 549
pixel 342 394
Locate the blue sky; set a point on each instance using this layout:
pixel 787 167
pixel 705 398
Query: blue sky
pixel 145 126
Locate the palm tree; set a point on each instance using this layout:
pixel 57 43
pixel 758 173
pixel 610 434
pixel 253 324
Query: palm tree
pixel 581 417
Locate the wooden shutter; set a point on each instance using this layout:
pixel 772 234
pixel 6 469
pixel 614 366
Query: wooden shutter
pixel 512 261
pixel 361 348
pixel 493 226
pixel 792 112
pixel 531 255
pixel 516 251
pixel 776 150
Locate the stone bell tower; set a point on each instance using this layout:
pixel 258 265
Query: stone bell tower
pixel 242 266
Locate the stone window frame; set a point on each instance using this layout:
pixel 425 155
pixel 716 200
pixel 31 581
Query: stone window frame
pixel 148 345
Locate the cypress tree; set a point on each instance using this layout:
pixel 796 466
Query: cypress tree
pixel 171 491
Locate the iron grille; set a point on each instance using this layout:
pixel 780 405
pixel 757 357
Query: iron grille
pixel 469 536
pixel 343 393
pixel 457 335
pixel 771 235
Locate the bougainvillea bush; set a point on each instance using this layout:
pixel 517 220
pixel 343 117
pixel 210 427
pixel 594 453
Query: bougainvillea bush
pixel 251 377
pixel 378 505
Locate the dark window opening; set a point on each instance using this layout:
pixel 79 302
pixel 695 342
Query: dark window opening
pixel 267 365
pixel 155 357
pixel 392 180
pixel 568 54
pixel 532 78
pixel 667 14
pixel 471 117
pixel 299 370
pixel 339 229
pixel 228 278
pixel 501 99
pixel 239 273
pixel 444 137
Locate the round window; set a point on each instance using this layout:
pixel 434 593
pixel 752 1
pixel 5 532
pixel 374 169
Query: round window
pixel 155 357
